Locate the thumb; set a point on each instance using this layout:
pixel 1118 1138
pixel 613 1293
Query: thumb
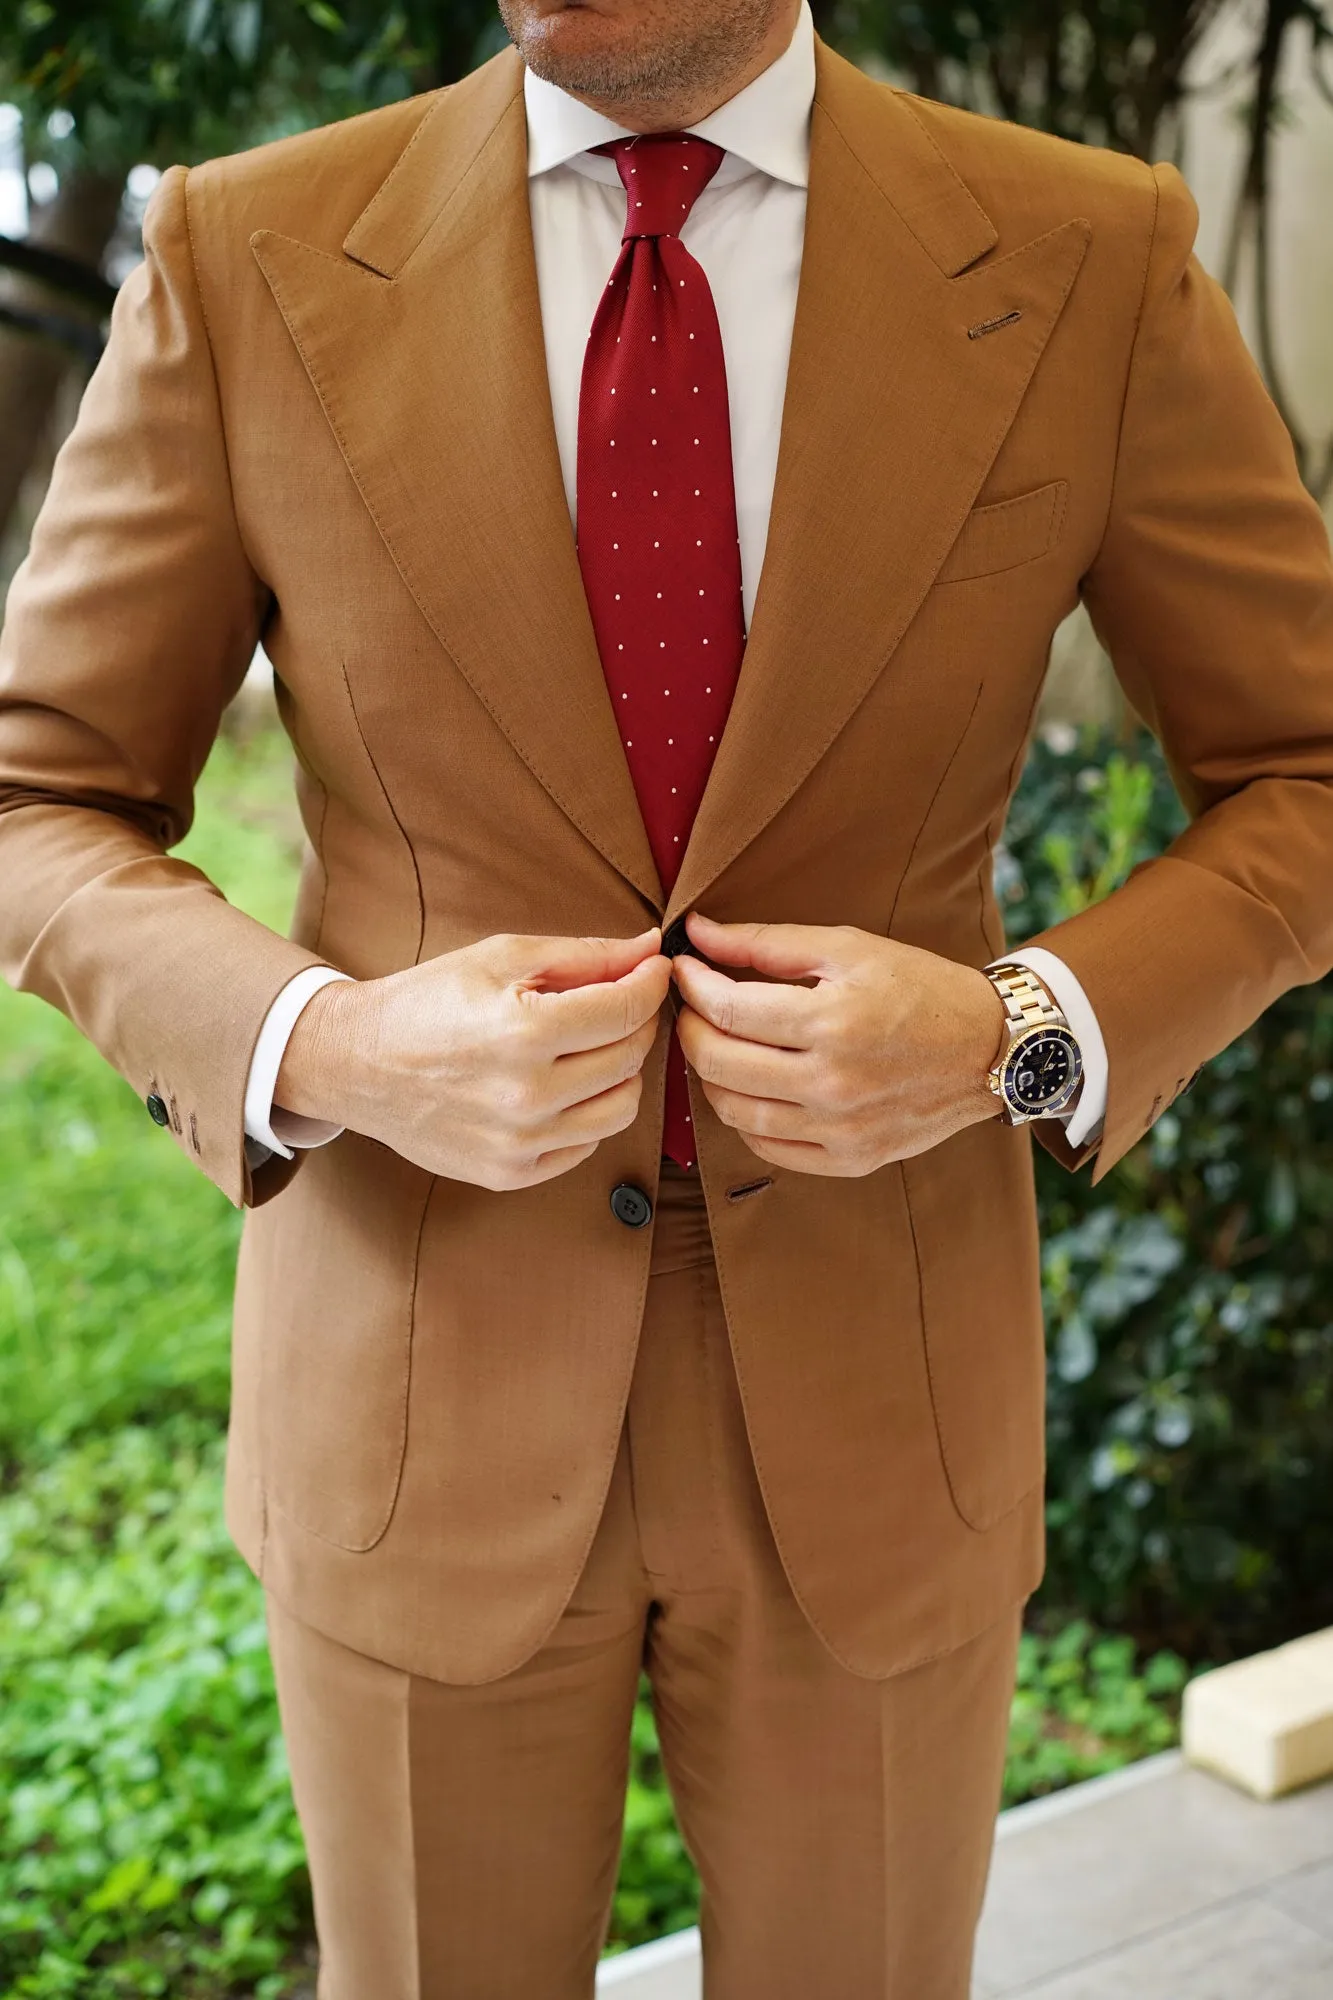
pixel 783 951
pixel 556 964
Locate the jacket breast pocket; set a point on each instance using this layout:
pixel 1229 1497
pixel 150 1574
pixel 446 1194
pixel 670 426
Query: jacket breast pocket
pixel 1007 533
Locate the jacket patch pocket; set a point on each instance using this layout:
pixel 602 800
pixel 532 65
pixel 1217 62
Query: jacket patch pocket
pixel 1007 534
pixel 974 1224
pixel 337 1338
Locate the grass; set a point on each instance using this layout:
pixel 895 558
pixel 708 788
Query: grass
pixel 148 1844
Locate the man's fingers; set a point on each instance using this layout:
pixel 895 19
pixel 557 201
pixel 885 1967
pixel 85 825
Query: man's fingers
pixel 587 1072
pixel 760 1117
pixel 588 1017
pixel 783 951
pixel 751 1067
pixel 782 1016
pixel 559 1161
pixel 595 1119
pixel 554 964
pixel 801 1157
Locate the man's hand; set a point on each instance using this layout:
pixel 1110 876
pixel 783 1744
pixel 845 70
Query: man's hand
pixel 884 1057
pixel 503 1064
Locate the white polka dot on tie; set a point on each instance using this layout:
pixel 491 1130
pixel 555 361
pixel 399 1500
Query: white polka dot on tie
pixel 698 545
pixel 662 644
pixel 615 545
pixel 696 440
pixel 613 492
pixel 705 642
pixel 696 493
pixel 676 838
pixel 701 593
pixel 659 593
pixel 613 392
pixel 682 282
pixel 671 739
pixel 696 388
pixel 708 690
pixel 691 336
pixel 657 545
pixel 710 739
pixel 654 489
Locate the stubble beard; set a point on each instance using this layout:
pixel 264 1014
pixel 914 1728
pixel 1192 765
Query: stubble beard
pixel 660 70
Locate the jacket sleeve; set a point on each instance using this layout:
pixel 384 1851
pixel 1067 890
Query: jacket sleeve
pixel 1212 591
pixel 127 631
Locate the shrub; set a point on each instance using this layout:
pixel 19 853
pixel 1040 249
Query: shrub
pixel 148 1843
pixel 1188 1297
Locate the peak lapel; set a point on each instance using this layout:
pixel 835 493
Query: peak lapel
pixel 892 419
pixel 424 345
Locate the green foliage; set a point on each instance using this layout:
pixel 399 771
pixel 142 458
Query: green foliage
pixel 148 1843
pixel 658 1891
pixel 1189 1313
pixel 1083 1708
pixel 1104 71
pixel 107 83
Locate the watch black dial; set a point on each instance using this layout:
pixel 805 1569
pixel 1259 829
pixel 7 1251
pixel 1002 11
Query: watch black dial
pixel 1041 1070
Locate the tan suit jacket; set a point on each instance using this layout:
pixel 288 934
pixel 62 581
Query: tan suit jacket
pixel 324 416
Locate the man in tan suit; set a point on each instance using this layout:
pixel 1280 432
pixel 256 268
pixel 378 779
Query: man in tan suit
pixel 521 1407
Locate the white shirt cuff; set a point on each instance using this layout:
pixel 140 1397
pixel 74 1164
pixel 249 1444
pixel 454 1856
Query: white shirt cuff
pixel 268 1126
pixel 1084 1122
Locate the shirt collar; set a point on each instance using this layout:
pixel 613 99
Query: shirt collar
pixel 766 126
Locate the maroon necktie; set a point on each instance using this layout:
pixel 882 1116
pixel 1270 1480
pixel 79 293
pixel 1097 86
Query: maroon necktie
pixel 657 514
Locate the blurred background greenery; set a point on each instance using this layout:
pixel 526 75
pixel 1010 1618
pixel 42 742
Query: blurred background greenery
pixel 147 1839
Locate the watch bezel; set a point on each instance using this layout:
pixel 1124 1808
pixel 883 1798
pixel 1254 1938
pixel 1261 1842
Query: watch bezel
pixel 1040 1031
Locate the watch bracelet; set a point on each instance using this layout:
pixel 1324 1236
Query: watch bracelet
pixel 1027 1004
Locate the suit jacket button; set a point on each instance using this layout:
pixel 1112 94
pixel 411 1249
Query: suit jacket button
pixel 676 940
pixel 157 1110
pixel 630 1205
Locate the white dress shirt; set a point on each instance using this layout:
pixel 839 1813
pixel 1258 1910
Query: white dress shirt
pixel 746 229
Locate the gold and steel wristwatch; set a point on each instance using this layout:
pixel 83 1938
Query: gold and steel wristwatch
pixel 1040 1067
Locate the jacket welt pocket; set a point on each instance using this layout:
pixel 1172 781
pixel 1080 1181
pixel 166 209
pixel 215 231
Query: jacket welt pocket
pixel 1007 533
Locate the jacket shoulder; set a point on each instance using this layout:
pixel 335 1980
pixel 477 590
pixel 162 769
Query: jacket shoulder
pixel 312 185
pixel 1030 181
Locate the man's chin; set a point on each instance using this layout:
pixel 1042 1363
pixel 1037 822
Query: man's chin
pixel 593 68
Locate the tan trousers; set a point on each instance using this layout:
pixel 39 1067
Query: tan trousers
pixel 464 1841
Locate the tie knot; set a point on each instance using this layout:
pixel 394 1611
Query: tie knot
pixel 662 172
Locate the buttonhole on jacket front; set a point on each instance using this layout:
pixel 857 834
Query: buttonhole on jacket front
pixel 992 325
pixel 747 1188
